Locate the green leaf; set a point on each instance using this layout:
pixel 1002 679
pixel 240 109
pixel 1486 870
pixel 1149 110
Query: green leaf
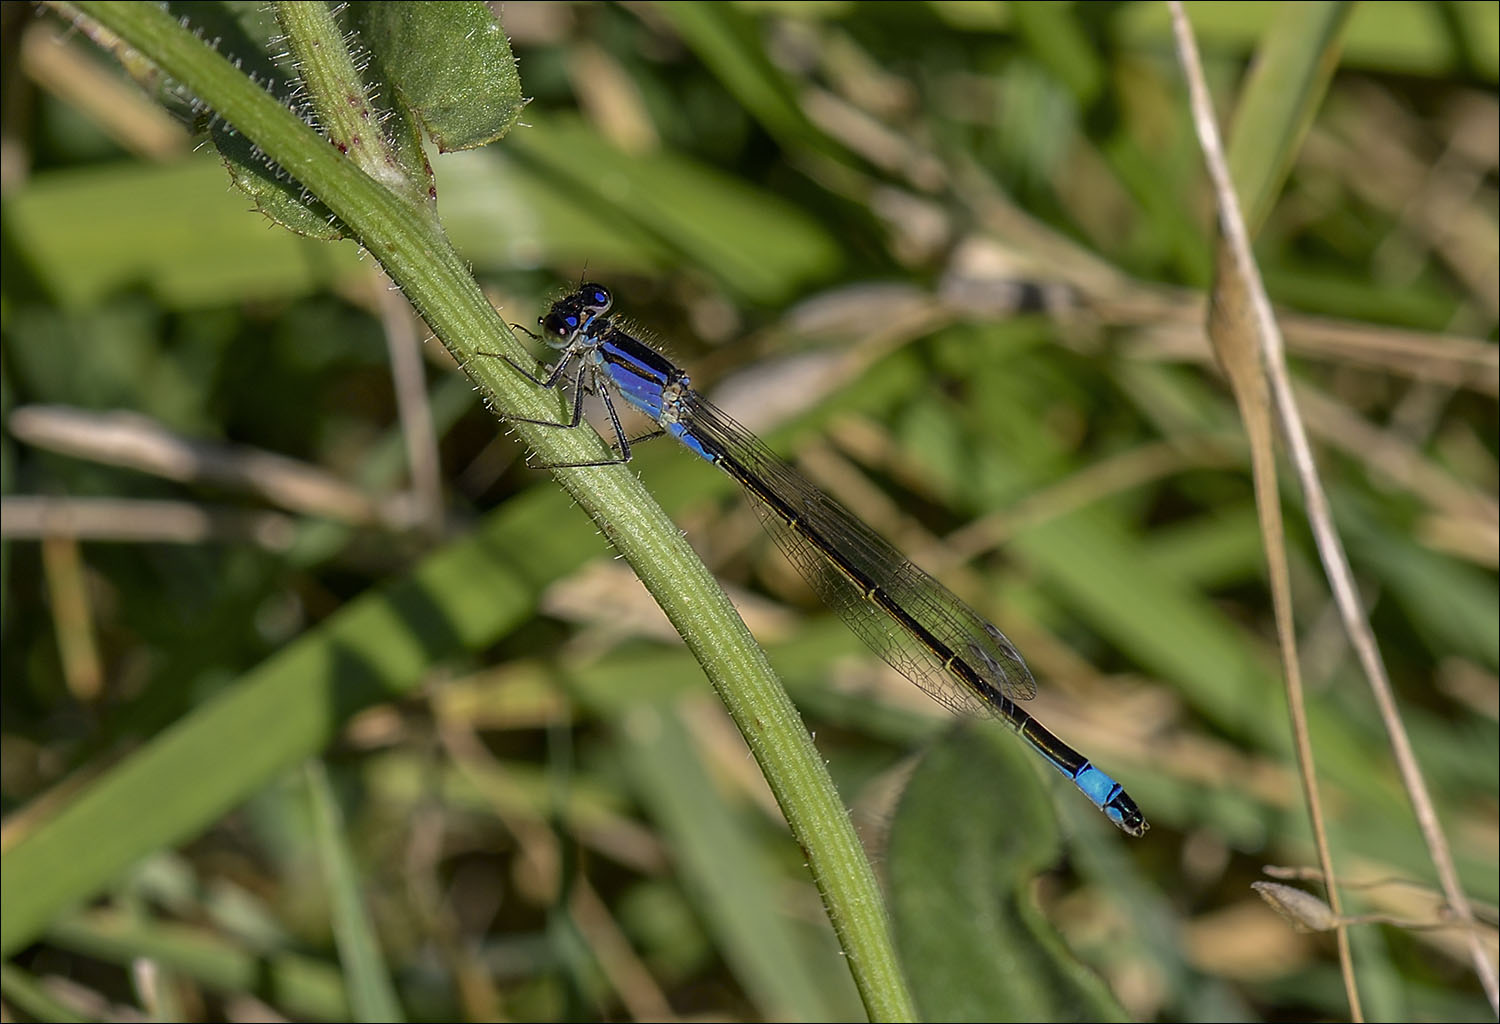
pixel 1410 37
pixel 241 33
pixel 1107 580
pixel 1296 59
pixel 450 64
pixel 1052 32
pixel 372 997
pixel 176 231
pixel 725 39
pixel 274 194
pixel 972 832
pixel 1454 605
pixel 759 246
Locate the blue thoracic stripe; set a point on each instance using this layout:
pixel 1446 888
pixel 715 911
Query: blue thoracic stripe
pixel 636 372
pixel 926 632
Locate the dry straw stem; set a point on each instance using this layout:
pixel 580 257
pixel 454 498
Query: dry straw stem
pixel 403 344
pixel 1307 913
pixel 128 521
pixel 1232 332
pixel 1240 280
pixel 139 442
pixel 1407 896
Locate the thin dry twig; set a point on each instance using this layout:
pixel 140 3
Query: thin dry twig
pixel 127 521
pixel 1174 330
pixel 130 439
pixel 404 345
pixel 64 68
pixel 73 617
pixel 1330 548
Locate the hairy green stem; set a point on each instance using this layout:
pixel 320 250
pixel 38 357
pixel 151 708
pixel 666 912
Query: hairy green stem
pixel 419 258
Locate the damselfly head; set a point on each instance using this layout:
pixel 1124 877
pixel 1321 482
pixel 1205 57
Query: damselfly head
pixel 571 312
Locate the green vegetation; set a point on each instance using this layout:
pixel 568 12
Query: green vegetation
pixel 316 697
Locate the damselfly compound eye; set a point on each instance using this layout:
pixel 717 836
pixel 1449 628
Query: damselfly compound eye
pixel 559 324
pixel 595 297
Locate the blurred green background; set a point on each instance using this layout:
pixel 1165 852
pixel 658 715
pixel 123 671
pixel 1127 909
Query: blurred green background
pixel 949 259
